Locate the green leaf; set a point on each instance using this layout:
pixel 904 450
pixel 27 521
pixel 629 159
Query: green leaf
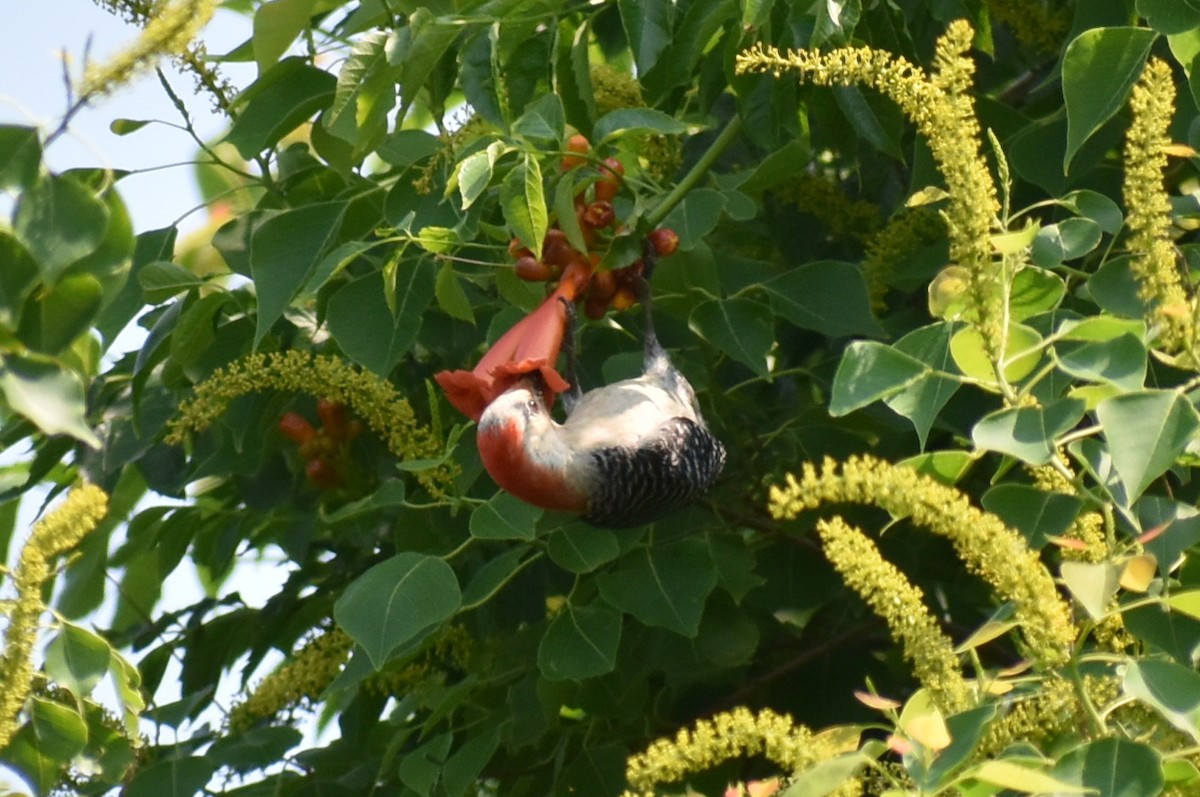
pixel 17 279
pixel 582 549
pixel 161 280
pixel 663 585
pixel 417 49
pixel 1170 689
pixel 359 318
pixel 1021 352
pixel 695 217
pixel 1169 16
pixel 1097 207
pixel 543 120
pixel 1115 289
pixel 524 203
pixel 1092 584
pixel 1120 361
pixel 54 320
pixel 284 252
pixel 49 396
pixel 739 327
pixel 505 518
pixel 870 371
pixel 1034 291
pixel 1146 432
pixel 1187 602
pixel 277 103
pixel 474 174
pixel 450 295
pixel 406 147
pixel 78 658
pixel 124 127
pixel 488 579
pixel 629 120
pixel 59 732
pixel 175 777
pixel 1069 239
pixel 923 400
pixel 20 156
pixel 647 28
pixel 277 23
pixel 465 765
pixel 580 642
pixel 366 93
pixel 389 493
pixel 1009 774
pixel 828 775
pixel 1099 69
pixel 1033 512
pixel 59 220
pixel 966 729
pixel 254 749
pixel 1028 433
pixel 396 602
pixel 827 296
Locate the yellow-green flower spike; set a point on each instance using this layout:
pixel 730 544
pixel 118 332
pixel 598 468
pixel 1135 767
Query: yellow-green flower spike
pixel 57 533
pixel 988 548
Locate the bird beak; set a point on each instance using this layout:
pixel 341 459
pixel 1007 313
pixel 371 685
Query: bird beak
pixel 530 346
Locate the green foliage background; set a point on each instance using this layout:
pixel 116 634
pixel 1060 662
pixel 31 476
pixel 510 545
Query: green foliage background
pixel 372 181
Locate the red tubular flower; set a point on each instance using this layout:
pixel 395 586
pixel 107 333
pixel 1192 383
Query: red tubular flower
pixel 532 344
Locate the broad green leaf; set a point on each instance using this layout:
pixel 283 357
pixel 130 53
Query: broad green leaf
pixel 1173 633
pixel 1097 207
pixel 827 776
pixel 406 147
pixel 696 216
pixel 582 549
pixel 524 203
pixel 1034 291
pixel 945 466
pixel 780 165
pixel 284 252
pixel 365 328
pixel 59 732
pixel 1146 431
pixel 627 120
pixel 465 764
pixel 277 103
pixel 1115 289
pixel 1033 512
pixel 254 749
pixel 923 400
pixel 1028 433
pixel 648 29
pixel 580 642
pixel 505 518
pixel 1120 361
pixel 78 658
pixel 59 220
pixel 488 580
pixel 871 371
pixel 390 493
pixel 397 601
pixel 663 585
pixel 474 174
pixel 827 296
pixel 277 23
pixel 49 396
pixel 1067 240
pixel 450 295
pixel 739 327
pixel 1099 69
pixel 875 119
pixel 1187 602
pixel 366 93
pixel 966 729
pixel 1021 353
pixel 20 156
pixel 1169 16
pixel 174 777
pixel 1177 525
pixel 1010 774
pixel 162 280
pixel 1092 583
pixel 543 120
pixel 417 48
pixel 420 768
pixel 479 78
pixel 1170 689
pixel 54 320
pixel 17 279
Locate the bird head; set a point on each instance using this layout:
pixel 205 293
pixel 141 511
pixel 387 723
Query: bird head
pixel 521 448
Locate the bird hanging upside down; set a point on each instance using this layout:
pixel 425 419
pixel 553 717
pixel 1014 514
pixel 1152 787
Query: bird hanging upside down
pixel 626 454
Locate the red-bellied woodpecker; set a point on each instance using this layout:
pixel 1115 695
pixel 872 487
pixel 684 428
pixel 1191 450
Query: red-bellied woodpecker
pixel 626 454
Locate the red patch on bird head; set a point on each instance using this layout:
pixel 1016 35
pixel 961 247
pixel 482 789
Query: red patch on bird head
pixel 502 450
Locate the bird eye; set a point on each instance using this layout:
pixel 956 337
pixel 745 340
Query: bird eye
pixel 532 405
